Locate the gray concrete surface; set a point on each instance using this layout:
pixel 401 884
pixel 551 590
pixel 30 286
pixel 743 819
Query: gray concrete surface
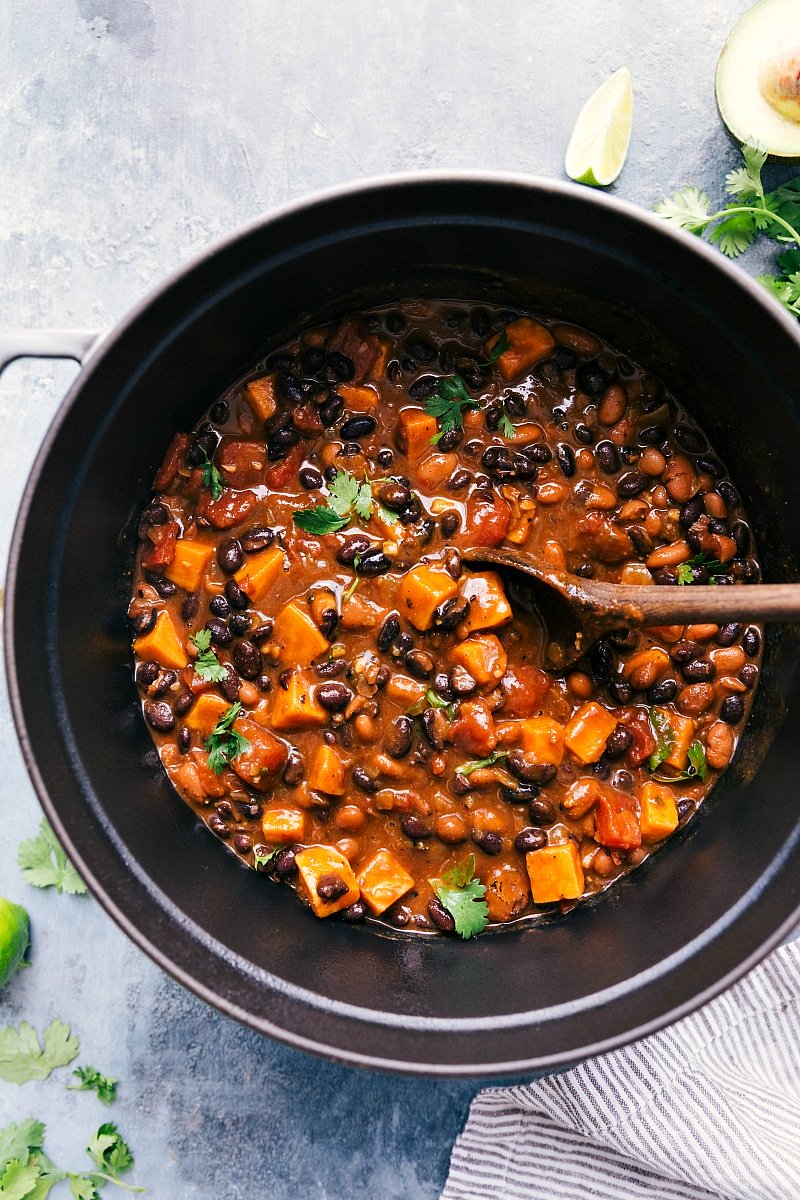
pixel 133 132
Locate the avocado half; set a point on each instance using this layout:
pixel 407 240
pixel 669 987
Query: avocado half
pixel 758 78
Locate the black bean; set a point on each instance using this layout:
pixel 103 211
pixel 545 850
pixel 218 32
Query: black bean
pixel 415 826
pixel 147 673
pixel 732 709
pixel 419 664
pixel 440 916
pixel 691 511
pixel 690 440
pixel 585 570
pixel 449 441
pixel 355 913
pixel 310 478
pixel 698 670
pixel 584 434
pixel 665 577
pixel 239 623
pixel 653 435
pixel 631 484
pixel 620 690
pixel 461 682
pixel 751 641
pixel 158 714
pixel 685 651
pixel 423 387
pixel 333 696
pixel 235 596
pixel 247 659
pixel 230 685
pixel 601 769
pixel 143 622
pixel 262 631
pixel 661 693
pixel 748 674
pixel 601 661
pixel 398 738
pixel 164 587
pixel 565 457
pixel 331 411
pixel 219 827
pixel 392 494
pixel 280 443
pixel 184 739
pixel 591 378
pixel 363 781
pixel 411 512
pixel 331 886
pixel 284 862
pixel 421 349
pixel 385 457
pixel 433 726
pixel 358 427
pixel 388 632
pixel 521 794
pixel 449 522
pixel 451 613
pixel 402 644
pixel 619 742
pixel 530 839
pixel 190 607
pixel 312 359
pixel 219 606
pixel 607 457
pixel 155 514
pixel 280 361
pixel 183 703
pixel 529 772
pixel 541 811
pixel 164 683
pixel 374 562
pixel 489 841
pixel 623 781
pixel 220 633
pixel 259 538
pixel 728 634
pixel 352 546
pixel 338 367
pixel 540 452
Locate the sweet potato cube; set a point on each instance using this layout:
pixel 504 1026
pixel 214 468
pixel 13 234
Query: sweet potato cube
pixel 555 873
pixel 261 571
pixel 357 397
pixel 313 864
pixel 483 656
pixel 379 366
pixel 421 591
pixel 188 566
pixel 260 395
pixel 616 822
pixel 383 881
pixel 327 774
pixel 543 739
pixel 162 644
pixel 655 655
pixel 681 731
pixel 588 730
pixel 528 343
pixel 414 432
pixel 659 814
pixel 297 637
pixel 283 824
pixel 206 711
pixel 488 608
pixel 264 756
pixel 295 707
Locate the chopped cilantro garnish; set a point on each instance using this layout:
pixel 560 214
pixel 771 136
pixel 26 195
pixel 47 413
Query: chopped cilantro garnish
pixel 347 496
pixel 478 764
pixel 224 743
pixel 437 702
pixel 686 570
pixel 352 587
pixel 207 665
pixel 463 897
pixel 211 477
pixel 665 739
pixel 447 405
pixel 501 345
pixel 263 861
pixel 507 427
pixel 697 769
pixel 90 1080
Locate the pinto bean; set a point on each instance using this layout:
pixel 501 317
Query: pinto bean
pixel 679 479
pixel 719 745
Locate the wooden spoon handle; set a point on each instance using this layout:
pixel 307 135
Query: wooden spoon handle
pixel 651 605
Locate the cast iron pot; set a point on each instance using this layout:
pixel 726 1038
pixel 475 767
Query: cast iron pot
pixel 663 940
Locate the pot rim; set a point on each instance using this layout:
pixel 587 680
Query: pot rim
pixel 104 345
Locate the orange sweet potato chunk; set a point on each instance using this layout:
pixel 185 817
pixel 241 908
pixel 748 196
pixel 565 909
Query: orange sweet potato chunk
pixel 421 591
pixel 555 873
pixel 483 656
pixel 260 395
pixel 297 637
pixel 489 607
pixel 261 571
pixel 264 757
pixel 659 813
pixel 283 824
pixel 588 730
pixel 543 739
pixel 414 432
pixel 358 397
pixel 163 644
pixel 206 711
pixel 383 881
pixel 313 864
pixel 682 734
pixel 189 563
pixel 295 707
pixel 528 343
pixel 327 773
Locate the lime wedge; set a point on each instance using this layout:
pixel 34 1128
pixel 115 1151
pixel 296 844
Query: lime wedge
pixel 601 135
pixel 14 937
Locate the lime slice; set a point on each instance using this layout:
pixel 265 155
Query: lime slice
pixel 14 938
pixel 601 135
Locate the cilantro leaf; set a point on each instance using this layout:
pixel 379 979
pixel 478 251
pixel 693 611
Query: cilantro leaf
pixel 347 495
pixel 697 769
pixel 745 182
pixel 501 345
pixel 17 1140
pixel 262 861
pixel 507 427
pixel 686 570
pixel 386 515
pixel 44 864
pixel 319 520
pixel 19 1179
pixel 478 764
pixel 211 477
pixel 224 743
pixel 363 502
pixel 447 405
pixel 110 1150
pixel 90 1080
pixel 785 201
pixel 344 490
pixel 463 897
pixel 437 702
pixel 785 291
pixel 665 739
pixel 207 665
pixel 687 207
pixel 734 233
pixel 22 1058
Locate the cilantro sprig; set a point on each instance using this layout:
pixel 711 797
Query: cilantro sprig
pixel 28 1173
pixel 348 592
pixel 501 345
pixel 224 743
pixel 665 739
pixel 697 768
pixel 751 213
pixel 207 665
pixel 478 764
pixel 686 570
pixel 91 1080
pixel 346 497
pixel 448 403
pixel 211 477
pixel 463 897
pixel 23 1057
pixel 44 864
pixel 263 858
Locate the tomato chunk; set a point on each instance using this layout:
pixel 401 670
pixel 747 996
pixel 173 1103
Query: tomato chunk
pixel 230 509
pixel 617 821
pixel 488 518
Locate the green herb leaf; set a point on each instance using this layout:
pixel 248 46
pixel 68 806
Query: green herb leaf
pixel 507 426
pixel 19 1179
pixel 478 764
pixel 687 207
pixel 110 1151
pixel 211 477
pixel 697 769
pixel 264 861
pixel 745 182
pixel 785 202
pixel 347 593
pixel 319 520
pixel 363 502
pixel 44 864
pixel 224 743
pixel 437 702
pixel 90 1080
pixel 463 897
pixel 686 571
pixel 347 495
pixel 447 405
pixel 207 665
pixel 501 345
pixel 386 515
pixel 734 234
pixel 665 739
pixel 22 1058
pixel 344 490
pixel 16 1141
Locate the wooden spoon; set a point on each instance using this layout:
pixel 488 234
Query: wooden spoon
pixel 578 612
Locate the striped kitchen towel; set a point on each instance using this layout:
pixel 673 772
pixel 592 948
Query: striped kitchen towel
pixel 708 1109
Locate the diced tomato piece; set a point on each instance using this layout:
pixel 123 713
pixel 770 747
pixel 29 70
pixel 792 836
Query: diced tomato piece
pixel 159 547
pixel 281 473
pixel 488 519
pixel 265 756
pixel 616 821
pixel 230 509
pixel 525 688
pixel 306 419
pixel 194 682
pixel 241 463
pixel 474 731
pixel 637 722
pixel 172 461
pixel 600 537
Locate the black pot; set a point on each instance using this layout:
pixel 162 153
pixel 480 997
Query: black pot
pixel 663 940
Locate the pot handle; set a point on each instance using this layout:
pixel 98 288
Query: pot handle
pixel 46 343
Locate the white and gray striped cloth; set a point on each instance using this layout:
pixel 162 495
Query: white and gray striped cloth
pixel 708 1109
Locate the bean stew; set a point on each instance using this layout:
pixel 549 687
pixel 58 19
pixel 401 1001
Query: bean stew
pixel 356 713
